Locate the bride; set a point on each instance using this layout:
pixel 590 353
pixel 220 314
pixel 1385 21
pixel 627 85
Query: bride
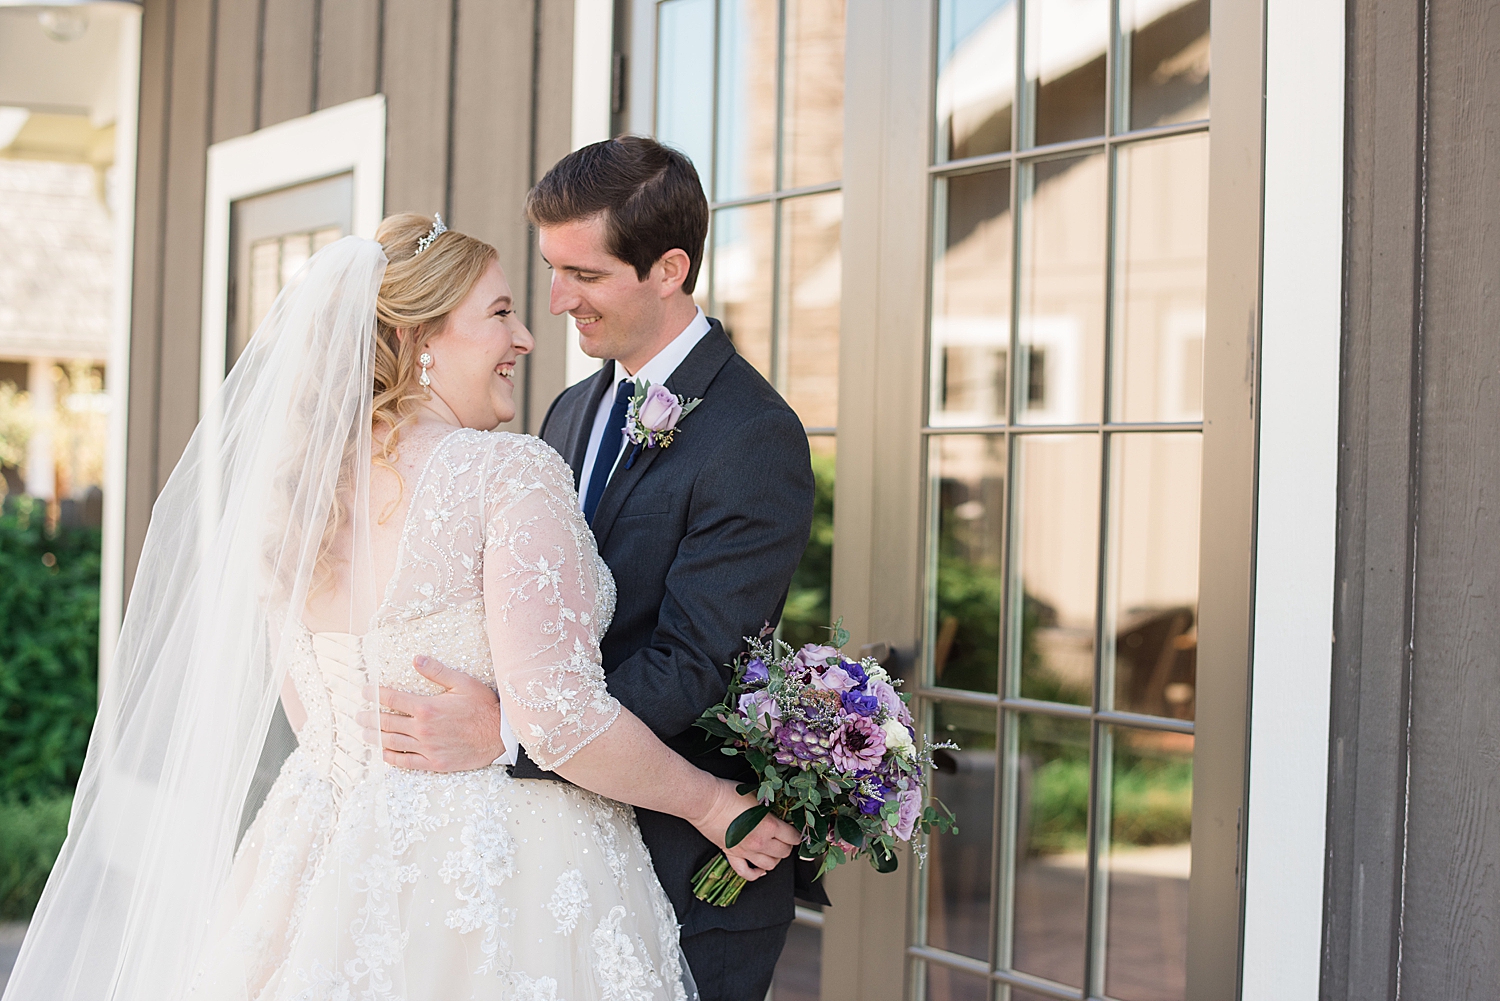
pixel 341 510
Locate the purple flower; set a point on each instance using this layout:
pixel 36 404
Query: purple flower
pixel 800 745
pixel 815 658
pixel 835 679
pixel 756 672
pixel 870 794
pixel 887 696
pixel 760 707
pixel 909 804
pixel 858 743
pixel 660 410
pixel 860 702
pixel 855 671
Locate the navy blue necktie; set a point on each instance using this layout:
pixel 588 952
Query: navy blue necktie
pixel 609 449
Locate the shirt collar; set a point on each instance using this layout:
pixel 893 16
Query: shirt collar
pixel 660 368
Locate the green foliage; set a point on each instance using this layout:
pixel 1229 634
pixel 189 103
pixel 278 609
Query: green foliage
pixel 30 836
pixel 49 651
pixel 806 616
pixel 1152 803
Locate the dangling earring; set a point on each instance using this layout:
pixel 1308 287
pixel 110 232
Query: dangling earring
pixel 425 380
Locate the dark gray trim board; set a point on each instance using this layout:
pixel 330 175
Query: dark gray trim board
pixel 1411 909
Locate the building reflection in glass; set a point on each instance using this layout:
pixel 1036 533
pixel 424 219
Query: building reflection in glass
pixel 1152 596
pixel 958 869
pixel 971 299
pixel 1066 41
pixel 1063 249
pixel 967 475
pixel 1161 270
pixel 976 80
pixel 1146 868
pixel 1050 797
pixel 1054 567
pixel 810 295
pixel 1169 60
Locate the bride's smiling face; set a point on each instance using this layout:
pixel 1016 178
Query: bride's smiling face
pixel 474 355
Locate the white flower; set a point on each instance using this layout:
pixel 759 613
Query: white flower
pixel 897 737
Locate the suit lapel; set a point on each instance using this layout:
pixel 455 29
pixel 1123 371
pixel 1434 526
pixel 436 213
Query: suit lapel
pixel 578 443
pixel 691 379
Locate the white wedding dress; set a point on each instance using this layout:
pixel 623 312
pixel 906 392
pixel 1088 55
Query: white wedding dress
pixel 358 880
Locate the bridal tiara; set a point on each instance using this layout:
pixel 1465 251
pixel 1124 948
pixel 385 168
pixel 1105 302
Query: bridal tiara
pixel 437 230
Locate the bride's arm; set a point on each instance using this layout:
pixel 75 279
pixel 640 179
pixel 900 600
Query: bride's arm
pixel 540 581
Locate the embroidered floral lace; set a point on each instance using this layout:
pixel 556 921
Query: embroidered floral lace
pixel 358 880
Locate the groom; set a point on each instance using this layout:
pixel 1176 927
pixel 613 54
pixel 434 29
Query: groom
pixel 702 538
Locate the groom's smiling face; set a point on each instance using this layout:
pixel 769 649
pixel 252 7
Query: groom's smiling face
pixel 619 315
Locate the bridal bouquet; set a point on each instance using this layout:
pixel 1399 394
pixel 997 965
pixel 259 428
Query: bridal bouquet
pixel 832 745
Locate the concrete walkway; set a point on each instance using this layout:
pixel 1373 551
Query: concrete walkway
pixel 11 934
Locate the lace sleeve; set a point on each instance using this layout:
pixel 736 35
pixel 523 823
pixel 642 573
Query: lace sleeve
pixel 541 582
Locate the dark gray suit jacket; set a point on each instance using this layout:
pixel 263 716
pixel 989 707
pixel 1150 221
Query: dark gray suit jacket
pixel 702 538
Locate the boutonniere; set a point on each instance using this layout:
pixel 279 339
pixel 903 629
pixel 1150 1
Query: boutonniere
pixel 651 421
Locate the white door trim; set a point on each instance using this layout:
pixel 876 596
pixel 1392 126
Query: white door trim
pixel 349 137
pixel 1297 498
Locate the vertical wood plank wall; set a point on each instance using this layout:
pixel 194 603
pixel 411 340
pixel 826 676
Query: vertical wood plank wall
pixel 1411 906
pixel 478 96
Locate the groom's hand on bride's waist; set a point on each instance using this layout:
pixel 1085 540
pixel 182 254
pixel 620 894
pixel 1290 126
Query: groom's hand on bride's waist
pixel 456 730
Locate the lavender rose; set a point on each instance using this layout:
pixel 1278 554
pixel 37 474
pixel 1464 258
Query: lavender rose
pixel 660 410
pixel 858 743
pixel 815 658
pixel 760 706
pixel 887 696
pixel 909 803
pixel 756 672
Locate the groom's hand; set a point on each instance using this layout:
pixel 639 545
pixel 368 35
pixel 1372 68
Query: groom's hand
pixel 772 840
pixel 453 731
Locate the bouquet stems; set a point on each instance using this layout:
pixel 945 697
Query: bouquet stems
pixel 717 883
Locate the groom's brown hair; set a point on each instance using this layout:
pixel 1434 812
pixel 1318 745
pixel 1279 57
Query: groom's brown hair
pixel 649 195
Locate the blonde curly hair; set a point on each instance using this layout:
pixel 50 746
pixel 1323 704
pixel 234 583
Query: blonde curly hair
pixel 416 296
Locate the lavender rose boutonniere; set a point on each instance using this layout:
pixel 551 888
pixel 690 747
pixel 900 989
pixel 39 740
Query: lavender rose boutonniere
pixel 653 416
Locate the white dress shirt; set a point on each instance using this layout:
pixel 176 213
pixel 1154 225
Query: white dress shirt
pixel 657 371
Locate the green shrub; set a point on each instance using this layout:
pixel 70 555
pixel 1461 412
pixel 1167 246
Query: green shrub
pixel 806 616
pixel 49 651
pixel 30 836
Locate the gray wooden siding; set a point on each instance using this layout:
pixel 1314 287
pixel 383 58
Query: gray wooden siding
pixel 466 136
pixel 1412 908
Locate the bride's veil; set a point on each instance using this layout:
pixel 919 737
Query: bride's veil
pixel 237 538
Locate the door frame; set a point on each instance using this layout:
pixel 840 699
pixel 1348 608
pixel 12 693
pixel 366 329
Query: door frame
pixel 348 138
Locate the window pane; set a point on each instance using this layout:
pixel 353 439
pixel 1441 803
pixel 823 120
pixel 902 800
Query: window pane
pixel 944 984
pixel 742 280
pixel 813 133
pixel 1161 269
pixel 958 865
pixel 1063 245
pixel 967 473
pixel 685 62
pixel 801 965
pixel 976 81
pixel 971 299
pixel 1054 561
pixel 1051 773
pixel 1155 481
pixel 806 617
pixel 1169 67
pixel 747 98
pixel 1065 68
pixel 811 271
pixel 1147 865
